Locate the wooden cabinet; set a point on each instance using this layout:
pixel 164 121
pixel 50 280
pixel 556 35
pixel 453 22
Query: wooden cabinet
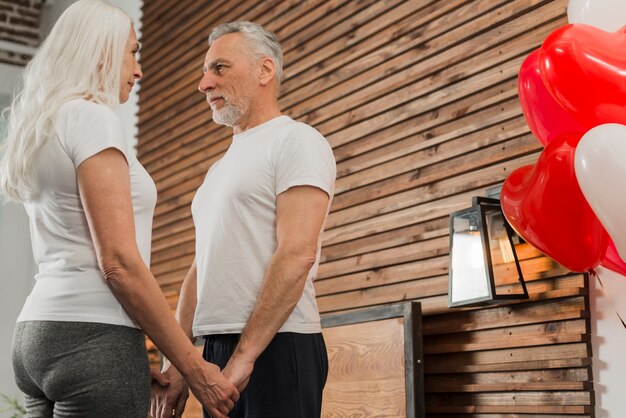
pixel 375 363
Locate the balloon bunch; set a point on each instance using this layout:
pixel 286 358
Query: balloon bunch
pixel 573 95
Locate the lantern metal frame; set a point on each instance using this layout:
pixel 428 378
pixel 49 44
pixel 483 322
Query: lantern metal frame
pixel 479 205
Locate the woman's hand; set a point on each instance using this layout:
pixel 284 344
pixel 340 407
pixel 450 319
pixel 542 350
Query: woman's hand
pixel 169 399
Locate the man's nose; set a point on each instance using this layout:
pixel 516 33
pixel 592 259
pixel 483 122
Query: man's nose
pixel 207 83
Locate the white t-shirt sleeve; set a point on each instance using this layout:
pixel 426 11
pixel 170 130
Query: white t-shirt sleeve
pixel 94 128
pixel 305 158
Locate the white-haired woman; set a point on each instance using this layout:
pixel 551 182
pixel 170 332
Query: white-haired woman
pixel 77 349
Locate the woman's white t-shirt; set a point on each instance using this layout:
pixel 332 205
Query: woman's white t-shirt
pixel 69 285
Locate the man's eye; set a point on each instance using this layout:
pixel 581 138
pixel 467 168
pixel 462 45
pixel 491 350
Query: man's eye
pixel 218 68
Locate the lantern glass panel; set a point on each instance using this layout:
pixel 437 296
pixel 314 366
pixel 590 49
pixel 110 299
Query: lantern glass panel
pixel 469 278
pixel 505 273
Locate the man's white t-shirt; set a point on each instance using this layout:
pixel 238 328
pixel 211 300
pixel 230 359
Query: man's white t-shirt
pixel 234 213
pixel 69 285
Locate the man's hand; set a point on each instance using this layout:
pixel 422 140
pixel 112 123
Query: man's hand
pixel 168 400
pixel 238 371
pixel 216 393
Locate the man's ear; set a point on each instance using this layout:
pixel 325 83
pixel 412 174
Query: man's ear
pixel 268 71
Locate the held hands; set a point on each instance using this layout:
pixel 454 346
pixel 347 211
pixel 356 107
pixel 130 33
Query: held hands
pixel 169 393
pixel 213 390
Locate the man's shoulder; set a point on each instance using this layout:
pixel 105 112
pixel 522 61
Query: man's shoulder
pixel 304 140
pixel 299 129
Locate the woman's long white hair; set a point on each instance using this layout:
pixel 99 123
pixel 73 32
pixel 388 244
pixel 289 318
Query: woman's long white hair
pixel 81 58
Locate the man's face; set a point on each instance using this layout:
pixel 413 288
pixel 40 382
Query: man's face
pixel 228 81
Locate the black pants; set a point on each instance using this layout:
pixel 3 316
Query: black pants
pixel 287 380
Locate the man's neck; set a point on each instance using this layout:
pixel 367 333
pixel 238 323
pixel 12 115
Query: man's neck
pixel 257 116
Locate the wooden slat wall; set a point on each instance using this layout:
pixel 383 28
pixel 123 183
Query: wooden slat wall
pixel 419 101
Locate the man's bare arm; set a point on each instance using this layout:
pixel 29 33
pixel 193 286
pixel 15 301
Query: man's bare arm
pixel 300 214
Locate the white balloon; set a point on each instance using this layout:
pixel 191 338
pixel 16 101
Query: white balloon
pixel 608 15
pixel 600 165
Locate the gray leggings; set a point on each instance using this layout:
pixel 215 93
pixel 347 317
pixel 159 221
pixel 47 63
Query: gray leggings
pixel 81 369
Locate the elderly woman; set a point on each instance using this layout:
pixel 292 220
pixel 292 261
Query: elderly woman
pixel 79 349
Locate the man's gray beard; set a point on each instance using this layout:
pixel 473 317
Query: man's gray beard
pixel 228 115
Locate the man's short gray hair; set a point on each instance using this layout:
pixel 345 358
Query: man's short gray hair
pixel 263 42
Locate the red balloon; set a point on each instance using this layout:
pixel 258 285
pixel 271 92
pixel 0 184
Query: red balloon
pixel 585 70
pixel 545 205
pixel 612 260
pixel 545 116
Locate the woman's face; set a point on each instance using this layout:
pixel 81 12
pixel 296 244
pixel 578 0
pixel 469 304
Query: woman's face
pixel 131 71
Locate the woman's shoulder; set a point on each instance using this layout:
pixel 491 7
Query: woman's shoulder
pixel 85 127
pixel 86 107
pixel 87 114
pixel 79 118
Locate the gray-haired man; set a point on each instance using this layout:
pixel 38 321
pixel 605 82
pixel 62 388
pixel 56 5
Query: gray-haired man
pixel 258 216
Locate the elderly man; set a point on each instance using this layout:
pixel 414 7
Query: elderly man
pixel 258 216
